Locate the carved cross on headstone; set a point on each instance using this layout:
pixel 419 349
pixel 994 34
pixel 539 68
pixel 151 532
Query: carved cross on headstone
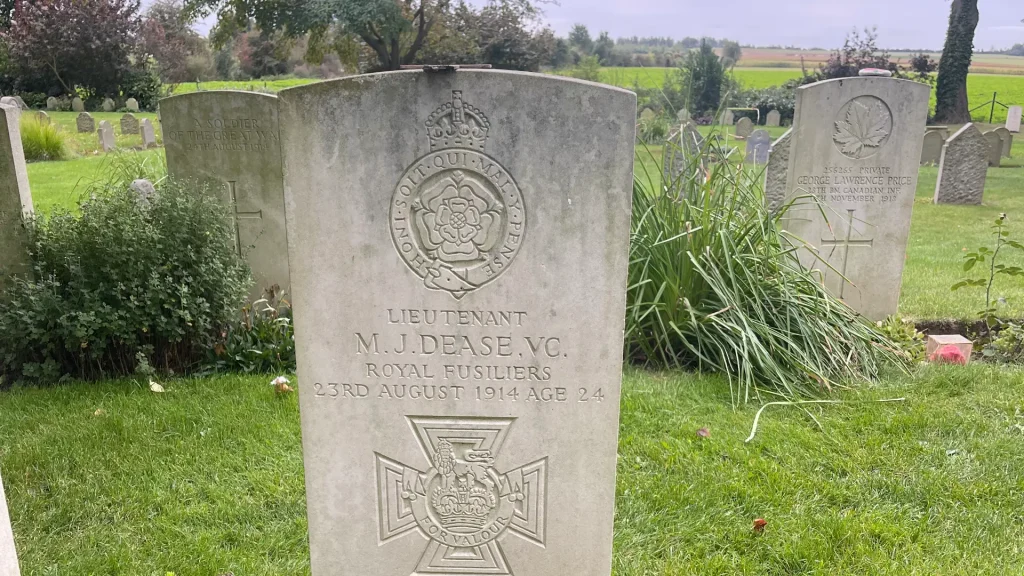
pixel 847 243
pixel 236 215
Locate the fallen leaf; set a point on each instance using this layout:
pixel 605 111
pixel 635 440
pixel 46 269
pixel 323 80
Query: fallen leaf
pixel 759 525
pixel 155 387
pixel 704 433
pixel 100 412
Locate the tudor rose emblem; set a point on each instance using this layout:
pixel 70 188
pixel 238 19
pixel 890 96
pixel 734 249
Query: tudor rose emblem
pixel 461 504
pixel 457 216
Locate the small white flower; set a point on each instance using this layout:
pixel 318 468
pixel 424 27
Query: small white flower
pixel 279 381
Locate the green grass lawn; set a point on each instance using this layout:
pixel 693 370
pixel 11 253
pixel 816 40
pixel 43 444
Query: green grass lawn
pixel 88 144
pixel 207 478
pixel 250 85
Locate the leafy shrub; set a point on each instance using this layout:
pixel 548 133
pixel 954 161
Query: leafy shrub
pixel 905 336
pixel 653 131
pixel 1007 346
pixel 41 140
pixel 781 98
pixel 993 268
pixel 34 99
pixel 144 86
pixel 262 340
pixel 714 285
pixel 126 284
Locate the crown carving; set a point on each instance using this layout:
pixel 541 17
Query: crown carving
pixel 462 505
pixel 457 124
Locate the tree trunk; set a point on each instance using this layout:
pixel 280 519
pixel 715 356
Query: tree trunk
pixel 951 90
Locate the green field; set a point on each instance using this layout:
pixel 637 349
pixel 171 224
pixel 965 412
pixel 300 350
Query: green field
pixel 248 85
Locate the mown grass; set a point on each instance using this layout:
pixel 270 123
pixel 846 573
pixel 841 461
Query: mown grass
pixel 249 85
pixel 207 478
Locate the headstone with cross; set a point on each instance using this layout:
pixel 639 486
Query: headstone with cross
pixel 856 148
pixel 231 140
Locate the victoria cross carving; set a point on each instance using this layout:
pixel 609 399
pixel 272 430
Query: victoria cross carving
pixel 462 504
pixel 457 216
pixel 863 126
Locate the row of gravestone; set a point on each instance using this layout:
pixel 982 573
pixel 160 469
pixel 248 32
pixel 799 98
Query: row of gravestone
pixel 728 118
pixel 85 123
pixel 458 314
pixel 1000 145
pixel 78 105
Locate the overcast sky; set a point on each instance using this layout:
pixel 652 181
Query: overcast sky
pixel 803 23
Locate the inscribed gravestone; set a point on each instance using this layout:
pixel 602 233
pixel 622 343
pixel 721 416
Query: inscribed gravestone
pixel 744 127
pixel 106 136
pixel 470 225
pixel 758 145
pixel 963 168
pixel 1013 116
pixel 129 124
pixel 681 147
pixel 132 105
pixel 773 119
pixel 148 133
pixel 15 197
pixel 8 554
pixel 77 105
pixel 52 103
pixel 931 149
pixel 776 171
pixel 857 148
pixel 231 140
pixel 728 118
pixel 108 105
pixel 995 148
pixel 85 122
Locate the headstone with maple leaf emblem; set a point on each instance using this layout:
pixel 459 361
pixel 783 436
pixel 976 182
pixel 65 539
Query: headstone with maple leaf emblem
pixel 856 148
pixel 8 555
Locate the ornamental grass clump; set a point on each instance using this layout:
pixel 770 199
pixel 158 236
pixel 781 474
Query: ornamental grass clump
pixel 42 140
pixel 714 285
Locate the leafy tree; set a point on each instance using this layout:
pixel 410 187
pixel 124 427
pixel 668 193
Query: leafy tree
pixel 59 45
pixel 603 47
pixel 951 90
pixel 589 68
pixel 262 54
pixel 505 41
pixel 6 12
pixel 579 38
pixel 701 79
pixel 858 52
pixel 561 56
pixel 689 43
pixel 166 36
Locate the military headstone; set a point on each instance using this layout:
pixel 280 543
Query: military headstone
pixel 108 105
pixel 963 168
pixel 931 149
pixel 776 171
pixel 471 225
pixel 8 554
pixel 1013 116
pixel 85 122
pixel 52 103
pixel 857 148
pixel 680 148
pixel 77 105
pixel 106 136
pixel 728 118
pixel 744 127
pixel 1006 140
pixel 758 145
pixel 132 105
pixel 231 140
pixel 148 133
pixel 995 148
pixel 15 197
pixel 129 124
pixel 773 118
pixel 42 117
pixel 647 115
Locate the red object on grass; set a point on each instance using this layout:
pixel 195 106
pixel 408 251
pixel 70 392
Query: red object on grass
pixel 948 355
pixel 759 525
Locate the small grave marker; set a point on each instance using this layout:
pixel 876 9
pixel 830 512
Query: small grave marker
pixel 963 168
pixel 84 122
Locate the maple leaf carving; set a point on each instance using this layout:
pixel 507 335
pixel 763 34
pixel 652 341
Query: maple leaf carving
pixel 865 126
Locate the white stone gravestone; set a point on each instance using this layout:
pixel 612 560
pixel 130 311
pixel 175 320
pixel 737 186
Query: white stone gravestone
pixel 963 168
pixel 10 101
pixel 52 103
pixel 230 139
pixel 77 105
pixel 1005 141
pixel 108 105
pixel 773 118
pixel 728 118
pixel 430 214
pixel 106 136
pixel 744 127
pixel 931 149
pixel 680 148
pixel 857 148
pixel 776 171
pixel 995 148
pixel 1013 116
pixel 148 133
pixel 8 554
pixel 758 145
pixel 132 105
pixel 15 197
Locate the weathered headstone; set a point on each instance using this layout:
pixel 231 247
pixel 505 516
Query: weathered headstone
pixel 744 127
pixel 129 124
pixel 42 117
pixel 77 105
pixel 106 136
pixel 1013 116
pixel 10 101
pixel 85 122
pixel 995 148
pixel 680 148
pixel 647 115
pixel 472 226
pixel 108 105
pixel 1005 140
pixel 21 103
pixel 8 554
pixel 857 148
pixel 776 171
pixel 231 140
pixel 15 197
pixel 52 103
pixel 728 118
pixel 931 149
pixel 758 144
pixel 963 168
pixel 683 115
pixel 132 105
pixel 773 118
pixel 144 188
pixel 148 133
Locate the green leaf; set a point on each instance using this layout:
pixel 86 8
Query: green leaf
pixel 970 264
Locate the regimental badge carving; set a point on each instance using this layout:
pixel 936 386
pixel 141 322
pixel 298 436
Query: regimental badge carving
pixel 862 127
pixel 462 505
pixel 457 216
